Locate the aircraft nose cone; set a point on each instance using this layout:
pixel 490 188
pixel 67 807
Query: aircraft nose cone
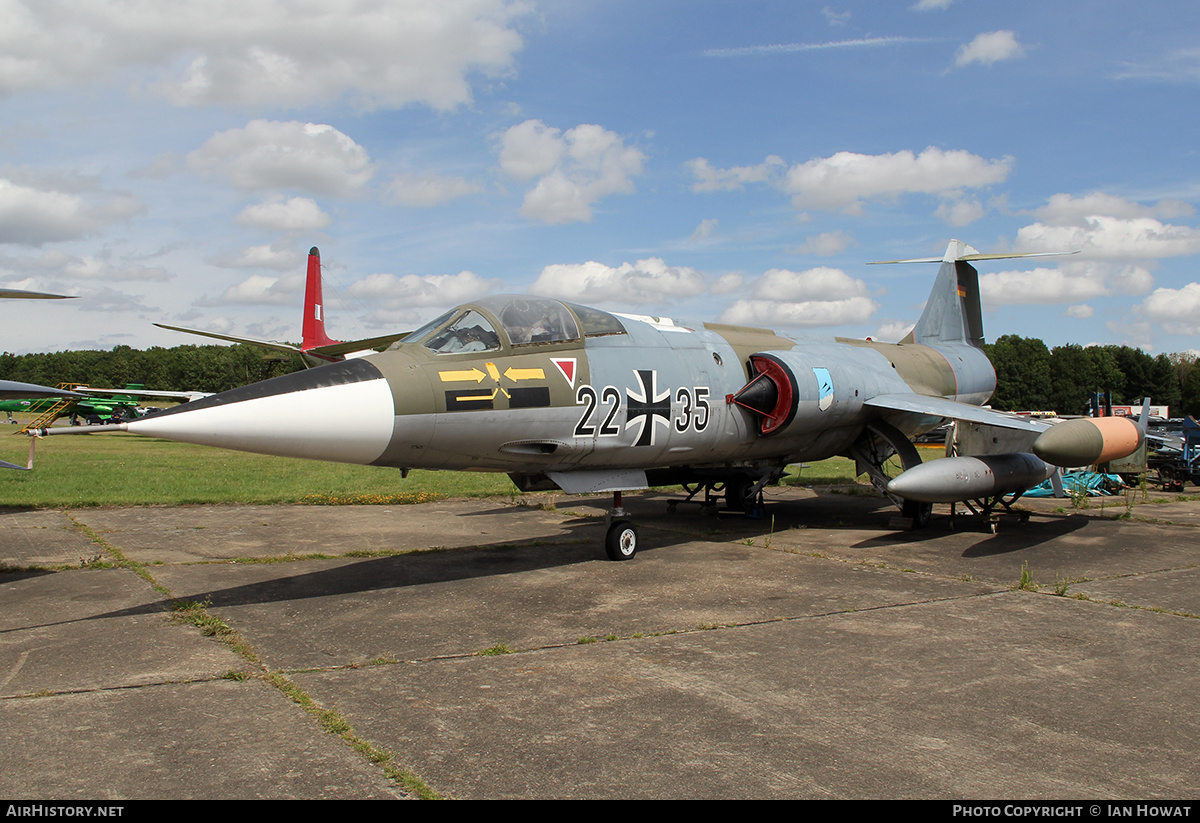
pixel 342 412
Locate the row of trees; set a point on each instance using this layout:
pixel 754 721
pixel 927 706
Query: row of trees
pixel 1029 376
pixel 180 368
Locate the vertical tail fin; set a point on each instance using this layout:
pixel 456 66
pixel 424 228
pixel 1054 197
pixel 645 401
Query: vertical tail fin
pixel 313 328
pixel 952 313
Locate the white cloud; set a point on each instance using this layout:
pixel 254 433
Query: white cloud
pixel 1178 310
pixel 1041 285
pixel 33 212
pixel 1176 66
pixel 264 257
pixel 728 283
pixel 649 281
pixel 58 266
pixel 427 189
pixel 574 170
pixel 1081 312
pixel 816 297
pixel 1067 210
pixel 295 214
pixel 844 180
pixel 273 155
pixel 709 178
pixel 808 314
pixel 529 150
pixel 703 231
pixel 932 5
pixel 960 212
pixel 1069 283
pixel 1101 236
pixel 391 292
pixel 891 331
pixel 826 243
pixel 835 17
pixel 990 47
pixel 821 283
pixel 268 52
pixel 259 289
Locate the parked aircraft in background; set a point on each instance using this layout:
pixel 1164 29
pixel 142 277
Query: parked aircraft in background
pixel 592 402
pixel 91 405
pixel 316 347
pixel 13 390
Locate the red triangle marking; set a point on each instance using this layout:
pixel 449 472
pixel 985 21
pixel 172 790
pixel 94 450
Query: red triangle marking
pixel 566 365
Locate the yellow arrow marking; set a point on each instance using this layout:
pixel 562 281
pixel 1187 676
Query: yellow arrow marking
pixel 515 374
pixel 473 375
pixel 493 372
pixel 491 396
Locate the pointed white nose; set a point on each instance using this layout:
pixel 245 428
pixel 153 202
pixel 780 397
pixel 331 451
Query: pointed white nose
pixel 342 412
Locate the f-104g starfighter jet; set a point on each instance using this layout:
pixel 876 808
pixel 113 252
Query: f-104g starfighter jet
pixel 557 394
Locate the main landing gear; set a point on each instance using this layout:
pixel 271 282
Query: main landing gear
pixel 871 452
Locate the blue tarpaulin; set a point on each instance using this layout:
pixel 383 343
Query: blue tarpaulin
pixel 1092 484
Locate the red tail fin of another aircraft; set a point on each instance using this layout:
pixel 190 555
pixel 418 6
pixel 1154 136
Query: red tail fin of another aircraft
pixel 317 346
pixel 313 330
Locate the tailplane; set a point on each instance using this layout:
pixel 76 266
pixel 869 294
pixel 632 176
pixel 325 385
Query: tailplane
pixel 952 312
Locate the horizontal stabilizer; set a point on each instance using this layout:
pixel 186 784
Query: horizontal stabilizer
pixel 249 341
pixel 958 250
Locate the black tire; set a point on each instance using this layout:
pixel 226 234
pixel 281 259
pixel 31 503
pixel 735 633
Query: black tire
pixel 622 541
pixel 918 512
pixel 736 494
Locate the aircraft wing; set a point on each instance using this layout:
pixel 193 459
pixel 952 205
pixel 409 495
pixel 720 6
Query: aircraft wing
pixel 350 346
pixel 339 349
pixel 12 390
pixel 249 341
pixel 33 295
pixel 953 410
pixel 166 395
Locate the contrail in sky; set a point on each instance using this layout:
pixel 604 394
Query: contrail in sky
pixel 785 48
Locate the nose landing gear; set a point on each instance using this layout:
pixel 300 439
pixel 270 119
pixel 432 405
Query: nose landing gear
pixel 621 542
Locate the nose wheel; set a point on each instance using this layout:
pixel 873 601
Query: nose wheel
pixel 621 542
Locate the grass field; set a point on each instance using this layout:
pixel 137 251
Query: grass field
pixel 124 469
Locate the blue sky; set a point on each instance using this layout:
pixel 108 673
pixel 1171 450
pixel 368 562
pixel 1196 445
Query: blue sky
pixel 174 161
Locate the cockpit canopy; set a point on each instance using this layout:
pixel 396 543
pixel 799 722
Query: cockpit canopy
pixel 520 320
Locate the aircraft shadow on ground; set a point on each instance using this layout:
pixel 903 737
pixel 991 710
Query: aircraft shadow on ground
pixel 583 543
pixel 1013 533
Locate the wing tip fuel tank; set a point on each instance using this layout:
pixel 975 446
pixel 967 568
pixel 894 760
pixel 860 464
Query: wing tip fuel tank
pixel 1089 440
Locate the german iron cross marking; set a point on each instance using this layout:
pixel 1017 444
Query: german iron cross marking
pixel 648 408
